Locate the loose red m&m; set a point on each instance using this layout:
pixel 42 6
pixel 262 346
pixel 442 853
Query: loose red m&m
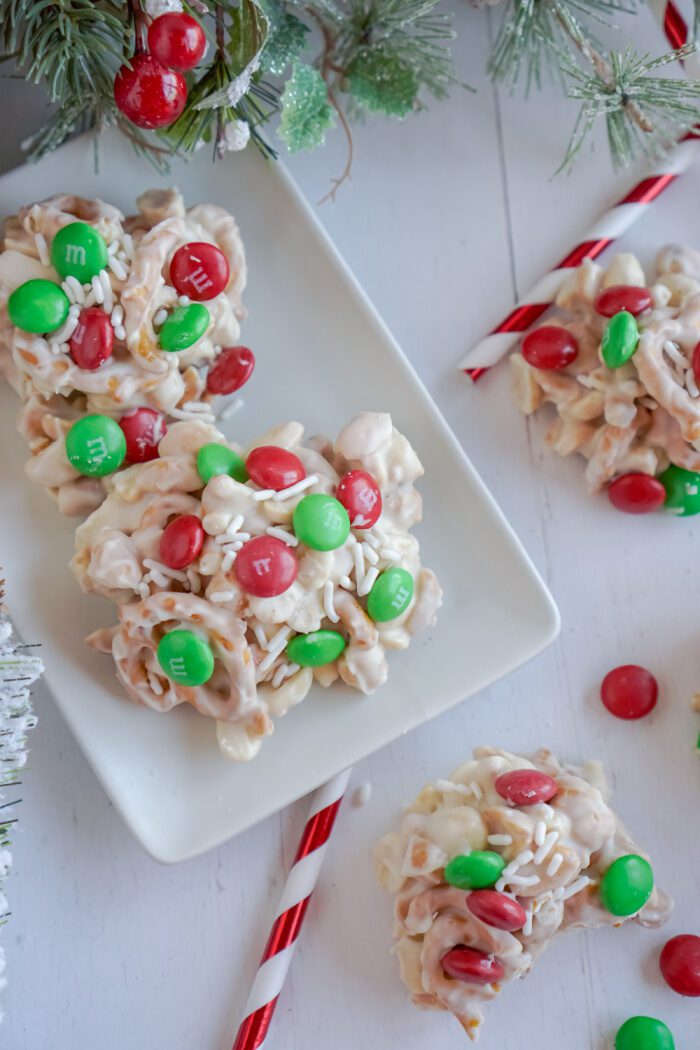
pixel 629 691
pixel 636 493
pixel 182 541
pixel 359 493
pixel 630 297
pixel 265 567
pixel 144 429
pixel 550 346
pixel 473 967
pixel 497 909
pixel 526 787
pixel 272 467
pixel 92 341
pixel 199 270
pixel 232 370
pixel 680 964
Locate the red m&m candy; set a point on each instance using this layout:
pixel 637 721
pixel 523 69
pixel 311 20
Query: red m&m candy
pixel 182 541
pixel 265 567
pixel 272 467
pixel 526 787
pixel 92 341
pixel 636 493
pixel 630 297
pixel 359 493
pixel 231 370
pixel 629 691
pixel 473 967
pixel 680 964
pixel 144 429
pixel 497 909
pixel 199 270
pixel 550 346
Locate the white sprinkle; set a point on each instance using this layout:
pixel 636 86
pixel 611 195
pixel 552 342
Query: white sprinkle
pixel 117 267
pixel 294 490
pixel 359 565
pixel 74 310
pixel 196 406
pixel 160 317
pixel 283 671
pixel 184 300
pixel 90 297
pixel 555 864
pixel 228 560
pixel 279 638
pixel 282 534
pixel 203 417
pixel 527 928
pixel 362 795
pixel 117 315
pixel 371 539
pixel 42 248
pixel 73 289
pixel 62 334
pixel 558 893
pixel 540 832
pixel 575 887
pixel 55 348
pixel 690 383
pixel 107 294
pixel 164 570
pixel 524 880
pixel 235 523
pixel 500 840
pixel 112 247
pixel 546 848
pixel 449 785
pixel 275 647
pixel 97 289
pixel 229 409
pixel 155 684
pixel 262 494
pixel 510 869
pixel 329 607
pixel 156 577
pixel 672 350
pixel 389 554
pixel 371 556
pixel 120 332
pixel 524 858
pixel 368 581
pixel 222 596
pixel 232 537
pixel 194 581
pixel 259 632
pixel 128 244
pixel 142 588
pixel 476 789
pixel 346 583
pixel 501 885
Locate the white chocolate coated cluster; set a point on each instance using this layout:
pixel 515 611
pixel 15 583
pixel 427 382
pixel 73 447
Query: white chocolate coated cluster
pixel 117 556
pixel 556 854
pixel 642 416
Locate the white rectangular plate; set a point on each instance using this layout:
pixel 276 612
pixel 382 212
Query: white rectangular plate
pixel 323 355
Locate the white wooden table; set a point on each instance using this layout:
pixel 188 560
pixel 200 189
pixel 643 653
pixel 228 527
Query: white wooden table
pixel 448 215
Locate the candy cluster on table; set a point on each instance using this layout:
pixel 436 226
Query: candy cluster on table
pixel 243 576
pixel 110 327
pixel 621 367
pixel 488 865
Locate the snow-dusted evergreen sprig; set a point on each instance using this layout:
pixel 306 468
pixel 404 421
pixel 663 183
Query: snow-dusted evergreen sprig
pixel 18 671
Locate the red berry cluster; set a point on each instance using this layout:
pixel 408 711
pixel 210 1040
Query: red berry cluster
pixel 151 91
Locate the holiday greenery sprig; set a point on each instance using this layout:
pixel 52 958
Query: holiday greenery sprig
pixel 319 64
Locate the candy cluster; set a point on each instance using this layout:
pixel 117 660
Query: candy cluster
pixel 489 865
pixel 243 576
pixel 621 367
pixel 117 326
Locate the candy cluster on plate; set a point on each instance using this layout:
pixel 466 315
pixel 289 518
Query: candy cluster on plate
pixel 489 865
pixel 243 576
pixel 117 325
pixel 621 366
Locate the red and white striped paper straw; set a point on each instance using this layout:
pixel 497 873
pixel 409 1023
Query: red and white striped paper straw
pixel 291 910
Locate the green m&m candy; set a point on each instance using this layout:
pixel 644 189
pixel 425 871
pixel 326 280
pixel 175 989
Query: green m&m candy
pixel 38 306
pixel 78 250
pixel 185 657
pixel 620 339
pixel 183 327
pixel 391 594
pixel 316 649
pixel 476 870
pixel 682 491
pixel 627 885
pixel 96 446
pixel 321 522
pixel 216 459
pixel 644 1033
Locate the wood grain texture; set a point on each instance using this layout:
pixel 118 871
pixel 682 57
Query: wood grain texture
pixel 448 215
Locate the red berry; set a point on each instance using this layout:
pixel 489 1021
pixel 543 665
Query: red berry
pixel 265 567
pixel 182 541
pixel 550 346
pixel 92 341
pixel 359 493
pixel 148 94
pixel 177 40
pixel 526 787
pixel 680 964
pixel 696 363
pixel 629 297
pixel 199 270
pixel 629 691
pixel 636 493
pixel 272 467
pixel 232 370
pixel 497 909
pixel 144 429
pixel 467 964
